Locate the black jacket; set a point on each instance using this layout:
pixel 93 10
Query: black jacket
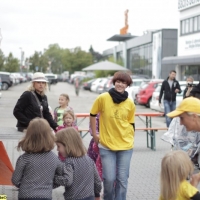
pixel 27 109
pixel 169 93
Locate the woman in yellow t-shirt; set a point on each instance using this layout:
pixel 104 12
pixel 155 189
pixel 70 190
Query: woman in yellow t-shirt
pixel 176 166
pixel 116 135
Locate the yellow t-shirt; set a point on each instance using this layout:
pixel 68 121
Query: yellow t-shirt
pixel 116 131
pixel 185 192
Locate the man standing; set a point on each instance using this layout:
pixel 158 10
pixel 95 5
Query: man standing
pixel 170 87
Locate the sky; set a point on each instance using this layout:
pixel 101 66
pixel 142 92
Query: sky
pixel 32 25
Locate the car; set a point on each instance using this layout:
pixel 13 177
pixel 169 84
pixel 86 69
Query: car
pixel 52 78
pixel 154 104
pixel 87 84
pixel 95 84
pixel 145 93
pixel 6 80
pixel 108 85
pixel 100 88
pixel 134 88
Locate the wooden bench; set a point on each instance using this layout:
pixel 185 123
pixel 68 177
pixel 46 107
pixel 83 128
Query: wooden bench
pixel 149 131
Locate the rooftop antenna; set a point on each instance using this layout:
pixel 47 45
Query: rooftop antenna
pixel 124 30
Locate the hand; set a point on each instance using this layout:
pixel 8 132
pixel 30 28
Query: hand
pixel 176 90
pixel 195 178
pixel 96 138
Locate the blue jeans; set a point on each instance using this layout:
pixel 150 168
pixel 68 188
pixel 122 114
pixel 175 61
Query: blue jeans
pixel 115 165
pixel 169 107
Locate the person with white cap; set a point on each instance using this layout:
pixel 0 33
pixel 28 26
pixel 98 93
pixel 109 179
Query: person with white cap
pixel 33 103
pixel 189 113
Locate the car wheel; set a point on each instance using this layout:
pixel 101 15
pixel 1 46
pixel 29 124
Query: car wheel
pixel 5 86
pixel 148 103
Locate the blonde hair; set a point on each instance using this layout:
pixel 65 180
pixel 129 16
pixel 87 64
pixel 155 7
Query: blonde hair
pixel 66 96
pixel 39 137
pixel 176 166
pixel 72 142
pixel 70 112
pixel 31 88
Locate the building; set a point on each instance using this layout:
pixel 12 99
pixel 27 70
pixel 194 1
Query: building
pixel 143 54
pixel 187 63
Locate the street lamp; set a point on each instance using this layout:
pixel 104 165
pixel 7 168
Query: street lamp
pixel 21 59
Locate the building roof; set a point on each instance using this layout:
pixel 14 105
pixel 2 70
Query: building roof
pixel 120 38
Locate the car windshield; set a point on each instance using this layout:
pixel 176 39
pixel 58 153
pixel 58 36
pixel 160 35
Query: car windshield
pixel 136 83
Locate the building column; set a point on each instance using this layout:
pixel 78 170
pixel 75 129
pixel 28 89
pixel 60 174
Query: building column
pixel 125 53
pixel 178 72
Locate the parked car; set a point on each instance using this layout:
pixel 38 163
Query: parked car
pixel 145 93
pixel 52 78
pixel 95 84
pixel 154 104
pixel 6 80
pixel 134 88
pixel 108 85
pixel 100 87
pixel 0 84
pixel 87 84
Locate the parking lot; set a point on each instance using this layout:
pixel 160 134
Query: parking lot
pixel 145 163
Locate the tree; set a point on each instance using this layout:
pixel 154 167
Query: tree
pixel 2 59
pixel 95 55
pixel 11 64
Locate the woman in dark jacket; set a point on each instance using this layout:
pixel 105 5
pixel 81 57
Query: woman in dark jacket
pixel 33 103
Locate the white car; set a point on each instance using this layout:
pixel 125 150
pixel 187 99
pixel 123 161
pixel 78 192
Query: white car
pixel 100 87
pixel 134 88
pixel 154 104
pixel 95 84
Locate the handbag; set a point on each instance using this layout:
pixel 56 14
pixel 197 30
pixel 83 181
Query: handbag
pixel 39 104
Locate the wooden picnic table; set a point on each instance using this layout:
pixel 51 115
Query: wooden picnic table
pixel 150 131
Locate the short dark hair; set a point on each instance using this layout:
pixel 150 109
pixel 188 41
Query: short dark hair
pixel 172 71
pixel 122 76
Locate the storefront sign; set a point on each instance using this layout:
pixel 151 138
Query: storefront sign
pixel 192 44
pixel 183 4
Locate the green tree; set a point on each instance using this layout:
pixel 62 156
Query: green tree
pixel 2 59
pixel 11 64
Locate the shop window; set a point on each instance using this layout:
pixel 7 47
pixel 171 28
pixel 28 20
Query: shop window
pixel 187 26
pixel 182 27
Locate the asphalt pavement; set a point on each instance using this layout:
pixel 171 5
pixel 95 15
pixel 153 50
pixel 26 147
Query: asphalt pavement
pixel 145 164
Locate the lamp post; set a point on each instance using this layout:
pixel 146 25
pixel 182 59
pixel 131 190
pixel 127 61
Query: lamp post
pixel 20 67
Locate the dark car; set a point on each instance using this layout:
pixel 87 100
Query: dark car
pixel 6 80
pixel 87 84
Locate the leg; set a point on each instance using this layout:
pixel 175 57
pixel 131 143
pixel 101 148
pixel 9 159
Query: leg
pixel 167 110
pixel 172 108
pixel 123 165
pixel 108 159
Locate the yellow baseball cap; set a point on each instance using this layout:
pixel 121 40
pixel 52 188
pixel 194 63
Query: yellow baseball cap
pixel 190 104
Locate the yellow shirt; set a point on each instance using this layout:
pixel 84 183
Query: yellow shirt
pixel 185 192
pixel 116 131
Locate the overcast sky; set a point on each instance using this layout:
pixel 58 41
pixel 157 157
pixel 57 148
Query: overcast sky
pixel 34 24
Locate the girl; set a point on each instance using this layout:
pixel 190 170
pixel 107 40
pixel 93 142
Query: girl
pixel 59 111
pixel 68 120
pixel 86 181
pixel 175 168
pixel 36 168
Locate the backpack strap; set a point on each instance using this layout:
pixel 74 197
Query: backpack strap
pixel 39 104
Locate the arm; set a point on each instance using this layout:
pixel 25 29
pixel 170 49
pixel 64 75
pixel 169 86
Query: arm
pixel 161 92
pixel 47 114
pixel 131 117
pixel 20 106
pixel 93 128
pixel 64 175
pixel 178 87
pixel 18 173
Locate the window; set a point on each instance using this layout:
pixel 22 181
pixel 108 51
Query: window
pixel 182 27
pixel 195 24
pixel 190 25
pixel 198 23
pixel 186 25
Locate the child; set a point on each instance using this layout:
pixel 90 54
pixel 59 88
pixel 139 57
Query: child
pixel 176 166
pixel 58 112
pixel 93 150
pixel 68 120
pixel 35 169
pixel 86 181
